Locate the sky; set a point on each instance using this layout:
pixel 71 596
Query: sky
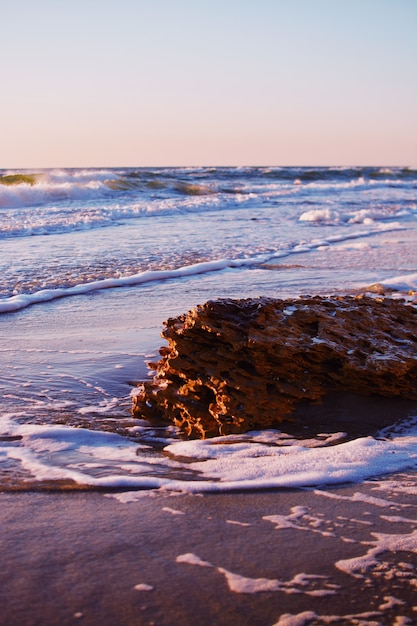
pixel 93 83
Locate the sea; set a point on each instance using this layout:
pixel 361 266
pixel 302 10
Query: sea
pixel 93 261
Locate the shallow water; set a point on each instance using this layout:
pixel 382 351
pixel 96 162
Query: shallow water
pixel 90 269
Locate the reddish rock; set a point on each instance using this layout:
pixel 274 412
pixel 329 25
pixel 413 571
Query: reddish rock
pixel 237 365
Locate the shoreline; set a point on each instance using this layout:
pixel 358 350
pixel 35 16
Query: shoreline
pixel 150 557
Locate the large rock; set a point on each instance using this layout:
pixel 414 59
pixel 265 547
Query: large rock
pixel 237 365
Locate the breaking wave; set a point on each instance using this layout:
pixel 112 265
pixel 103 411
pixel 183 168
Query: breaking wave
pixel 28 188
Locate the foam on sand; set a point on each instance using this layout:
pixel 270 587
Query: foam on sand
pixel 300 583
pixel 243 464
pixel 310 617
pixel 358 566
pixel 102 459
pixel 143 587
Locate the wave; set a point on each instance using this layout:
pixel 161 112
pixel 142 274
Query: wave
pixel 314 174
pixel 57 219
pixel 87 215
pixel 36 188
pixel 24 300
pixel 331 216
pixel 21 301
pixel 22 189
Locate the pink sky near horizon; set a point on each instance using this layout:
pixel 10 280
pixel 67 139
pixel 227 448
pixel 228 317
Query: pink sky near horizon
pixel 133 83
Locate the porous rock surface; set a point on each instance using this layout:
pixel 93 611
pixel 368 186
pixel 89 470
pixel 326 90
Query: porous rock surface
pixel 237 365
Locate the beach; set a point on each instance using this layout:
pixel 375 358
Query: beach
pixel 110 519
pixel 343 555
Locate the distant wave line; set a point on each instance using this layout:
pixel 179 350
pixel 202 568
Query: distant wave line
pixel 24 189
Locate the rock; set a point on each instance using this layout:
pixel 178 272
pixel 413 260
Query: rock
pixel 237 365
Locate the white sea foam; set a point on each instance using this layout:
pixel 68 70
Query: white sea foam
pixel 244 584
pixel 390 602
pixel 54 188
pixel 367 217
pixel 71 208
pixel 310 617
pixel 220 464
pixel 301 619
pixel 398 519
pixel 361 497
pixel 21 301
pixel 192 559
pixel 326 215
pixel 103 407
pixel 300 519
pixel 239 465
pixel 143 587
pixel 360 565
pixel 401 283
pixel 169 509
pixel 400 485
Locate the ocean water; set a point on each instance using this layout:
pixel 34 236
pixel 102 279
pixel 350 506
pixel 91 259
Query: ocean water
pixel 94 260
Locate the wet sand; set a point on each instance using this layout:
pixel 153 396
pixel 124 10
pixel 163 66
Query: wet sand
pixel 112 558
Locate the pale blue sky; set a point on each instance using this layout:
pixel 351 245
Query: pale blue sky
pixel 219 82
